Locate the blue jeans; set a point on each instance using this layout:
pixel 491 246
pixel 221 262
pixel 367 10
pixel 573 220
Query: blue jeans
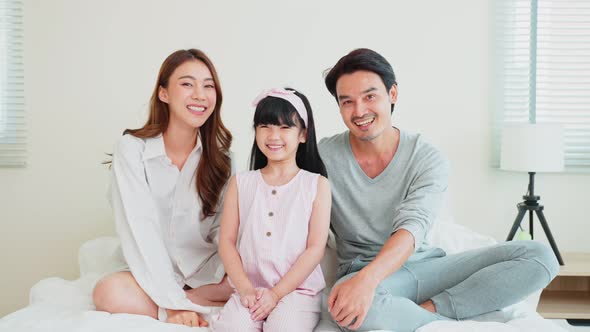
pixel 462 285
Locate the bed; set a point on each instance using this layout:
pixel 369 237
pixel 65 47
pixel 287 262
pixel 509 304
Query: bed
pixel 66 305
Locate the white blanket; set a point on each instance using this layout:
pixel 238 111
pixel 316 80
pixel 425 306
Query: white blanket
pixel 66 306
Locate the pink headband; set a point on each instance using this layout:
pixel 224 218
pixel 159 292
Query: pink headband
pixel 287 95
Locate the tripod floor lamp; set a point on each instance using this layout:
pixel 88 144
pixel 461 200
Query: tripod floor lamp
pixel 532 148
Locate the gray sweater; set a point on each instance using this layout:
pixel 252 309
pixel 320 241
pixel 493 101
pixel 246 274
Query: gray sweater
pixel 406 195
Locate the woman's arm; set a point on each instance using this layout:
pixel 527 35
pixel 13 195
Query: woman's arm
pixel 214 230
pixel 228 237
pixel 137 224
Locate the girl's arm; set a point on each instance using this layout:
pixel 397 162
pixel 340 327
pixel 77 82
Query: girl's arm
pixel 138 227
pixel 319 225
pixel 228 237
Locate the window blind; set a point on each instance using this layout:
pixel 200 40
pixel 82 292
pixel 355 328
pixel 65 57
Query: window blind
pixel 544 71
pixel 12 99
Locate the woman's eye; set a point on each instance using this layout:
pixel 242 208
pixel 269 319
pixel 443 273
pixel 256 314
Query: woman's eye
pixel 210 86
pixel 187 84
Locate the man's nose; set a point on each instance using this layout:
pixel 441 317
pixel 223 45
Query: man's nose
pixel 359 109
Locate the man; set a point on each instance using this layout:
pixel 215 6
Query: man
pixel 387 185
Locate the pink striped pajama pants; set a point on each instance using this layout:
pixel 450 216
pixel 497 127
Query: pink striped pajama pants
pixel 294 312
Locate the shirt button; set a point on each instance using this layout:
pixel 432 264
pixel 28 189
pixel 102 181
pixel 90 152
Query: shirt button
pixel 268 233
pixel 270 214
pixel 274 192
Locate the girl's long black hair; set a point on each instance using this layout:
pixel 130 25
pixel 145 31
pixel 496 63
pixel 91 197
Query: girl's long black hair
pixel 280 112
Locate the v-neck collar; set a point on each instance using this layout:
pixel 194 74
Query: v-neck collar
pixel 387 168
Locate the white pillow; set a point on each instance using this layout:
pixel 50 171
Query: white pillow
pixel 102 255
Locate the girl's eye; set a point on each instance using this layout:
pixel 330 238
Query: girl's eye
pixel 187 84
pixel 262 126
pixel 210 86
pixel 285 127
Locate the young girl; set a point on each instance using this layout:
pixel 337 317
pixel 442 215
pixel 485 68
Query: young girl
pixel 167 184
pixel 275 222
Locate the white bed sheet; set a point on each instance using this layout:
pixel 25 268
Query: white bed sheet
pixel 66 306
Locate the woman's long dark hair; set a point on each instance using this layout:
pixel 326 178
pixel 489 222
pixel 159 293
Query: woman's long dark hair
pixel 280 112
pixel 214 167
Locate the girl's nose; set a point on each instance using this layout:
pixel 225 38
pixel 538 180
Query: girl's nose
pixel 275 132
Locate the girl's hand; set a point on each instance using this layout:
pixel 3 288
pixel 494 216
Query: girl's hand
pixel 266 301
pixel 185 317
pixel 248 298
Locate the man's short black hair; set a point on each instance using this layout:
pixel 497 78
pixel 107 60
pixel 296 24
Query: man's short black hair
pixel 361 59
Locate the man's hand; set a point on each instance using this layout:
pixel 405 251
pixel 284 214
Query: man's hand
pixel 185 317
pixel 352 299
pixel 266 301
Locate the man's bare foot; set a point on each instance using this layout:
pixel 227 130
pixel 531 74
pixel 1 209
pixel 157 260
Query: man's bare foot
pixel 429 305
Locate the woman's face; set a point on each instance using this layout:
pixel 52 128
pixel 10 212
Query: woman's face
pixel 190 94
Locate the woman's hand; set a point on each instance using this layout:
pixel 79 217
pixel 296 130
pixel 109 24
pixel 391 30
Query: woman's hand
pixel 266 301
pixel 248 298
pixel 185 317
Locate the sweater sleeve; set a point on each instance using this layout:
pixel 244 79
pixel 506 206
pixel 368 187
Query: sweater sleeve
pixel 424 197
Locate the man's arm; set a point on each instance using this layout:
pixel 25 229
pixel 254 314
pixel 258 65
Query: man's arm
pixel 353 298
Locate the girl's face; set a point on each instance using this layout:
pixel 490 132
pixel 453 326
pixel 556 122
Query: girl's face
pixel 190 94
pixel 279 142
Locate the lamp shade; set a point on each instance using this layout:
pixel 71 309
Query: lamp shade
pixel 532 148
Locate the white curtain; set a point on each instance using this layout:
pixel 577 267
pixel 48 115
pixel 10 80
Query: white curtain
pixel 12 96
pixel 543 71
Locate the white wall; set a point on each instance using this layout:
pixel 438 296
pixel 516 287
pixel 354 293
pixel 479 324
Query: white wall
pixel 91 66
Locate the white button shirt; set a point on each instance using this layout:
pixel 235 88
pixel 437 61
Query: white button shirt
pixel 157 217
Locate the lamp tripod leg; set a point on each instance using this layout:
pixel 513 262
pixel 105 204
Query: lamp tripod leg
pixel 531 224
pixel 549 236
pixel 516 224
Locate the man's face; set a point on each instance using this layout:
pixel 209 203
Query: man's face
pixel 365 104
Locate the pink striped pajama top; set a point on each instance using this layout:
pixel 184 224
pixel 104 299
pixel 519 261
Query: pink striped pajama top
pixel 274 224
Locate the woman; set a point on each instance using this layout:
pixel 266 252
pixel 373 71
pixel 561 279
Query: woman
pixel 168 179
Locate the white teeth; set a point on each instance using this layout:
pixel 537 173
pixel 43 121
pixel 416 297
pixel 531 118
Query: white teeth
pixel 275 146
pixel 196 108
pixel 364 122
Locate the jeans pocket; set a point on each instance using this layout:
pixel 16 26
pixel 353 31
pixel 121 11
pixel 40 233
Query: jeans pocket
pixel 343 270
pixel 347 268
pixel 419 292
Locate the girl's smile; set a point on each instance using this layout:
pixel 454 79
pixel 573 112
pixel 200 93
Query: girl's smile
pixel 279 142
